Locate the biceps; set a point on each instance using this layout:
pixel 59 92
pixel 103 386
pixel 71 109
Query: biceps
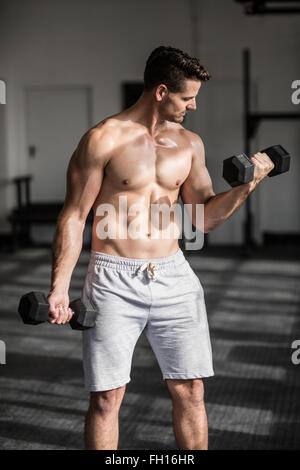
pixel 83 186
pixel 197 188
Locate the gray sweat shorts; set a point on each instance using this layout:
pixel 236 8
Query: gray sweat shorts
pixel 161 297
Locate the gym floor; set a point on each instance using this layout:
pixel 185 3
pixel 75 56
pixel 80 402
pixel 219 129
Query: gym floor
pixel 252 401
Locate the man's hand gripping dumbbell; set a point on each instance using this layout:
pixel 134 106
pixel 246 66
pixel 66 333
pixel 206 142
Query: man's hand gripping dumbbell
pixel 241 169
pixel 34 308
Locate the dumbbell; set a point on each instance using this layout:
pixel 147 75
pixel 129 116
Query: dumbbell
pixel 239 169
pixel 34 309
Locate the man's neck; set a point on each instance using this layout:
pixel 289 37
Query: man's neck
pixel 145 112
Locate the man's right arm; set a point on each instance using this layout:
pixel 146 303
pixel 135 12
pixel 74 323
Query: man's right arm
pixel 84 179
pixel 197 188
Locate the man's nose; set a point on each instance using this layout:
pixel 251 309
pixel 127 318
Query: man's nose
pixel 192 105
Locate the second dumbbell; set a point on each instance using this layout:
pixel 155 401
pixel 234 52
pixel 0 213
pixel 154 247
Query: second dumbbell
pixel 34 309
pixel 239 169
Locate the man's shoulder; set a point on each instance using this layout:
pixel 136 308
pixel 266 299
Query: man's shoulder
pixel 109 125
pixel 195 143
pixel 96 143
pixel 101 138
pixel 111 129
pixel 192 137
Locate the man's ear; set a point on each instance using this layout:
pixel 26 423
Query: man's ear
pixel 161 92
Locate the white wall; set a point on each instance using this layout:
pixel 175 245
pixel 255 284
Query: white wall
pixel 274 42
pixel 89 42
pixel 102 43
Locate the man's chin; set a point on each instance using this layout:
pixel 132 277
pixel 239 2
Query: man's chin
pixel 176 118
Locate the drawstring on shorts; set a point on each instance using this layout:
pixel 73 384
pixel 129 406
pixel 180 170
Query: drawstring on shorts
pixel 151 269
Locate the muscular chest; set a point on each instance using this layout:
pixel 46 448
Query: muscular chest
pixel 165 160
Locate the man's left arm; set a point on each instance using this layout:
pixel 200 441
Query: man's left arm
pixel 197 188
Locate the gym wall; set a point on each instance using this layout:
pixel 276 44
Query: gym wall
pixel 101 44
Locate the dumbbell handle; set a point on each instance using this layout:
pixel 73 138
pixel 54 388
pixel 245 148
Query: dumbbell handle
pixel 280 157
pixel 34 309
pixel 239 169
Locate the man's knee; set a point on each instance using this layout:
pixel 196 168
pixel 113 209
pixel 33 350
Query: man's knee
pixel 188 392
pixel 107 401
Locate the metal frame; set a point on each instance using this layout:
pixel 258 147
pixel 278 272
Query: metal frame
pixel 251 124
pixel 262 7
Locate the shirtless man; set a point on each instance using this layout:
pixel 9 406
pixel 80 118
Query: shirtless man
pixel 143 284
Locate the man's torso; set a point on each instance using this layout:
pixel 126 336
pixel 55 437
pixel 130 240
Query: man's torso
pixel 142 170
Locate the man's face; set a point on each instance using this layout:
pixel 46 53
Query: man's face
pixel 175 105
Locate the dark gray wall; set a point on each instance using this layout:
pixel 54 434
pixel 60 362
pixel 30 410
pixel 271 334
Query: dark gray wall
pixel 101 44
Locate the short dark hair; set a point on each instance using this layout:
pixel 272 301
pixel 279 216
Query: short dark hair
pixel 172 67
